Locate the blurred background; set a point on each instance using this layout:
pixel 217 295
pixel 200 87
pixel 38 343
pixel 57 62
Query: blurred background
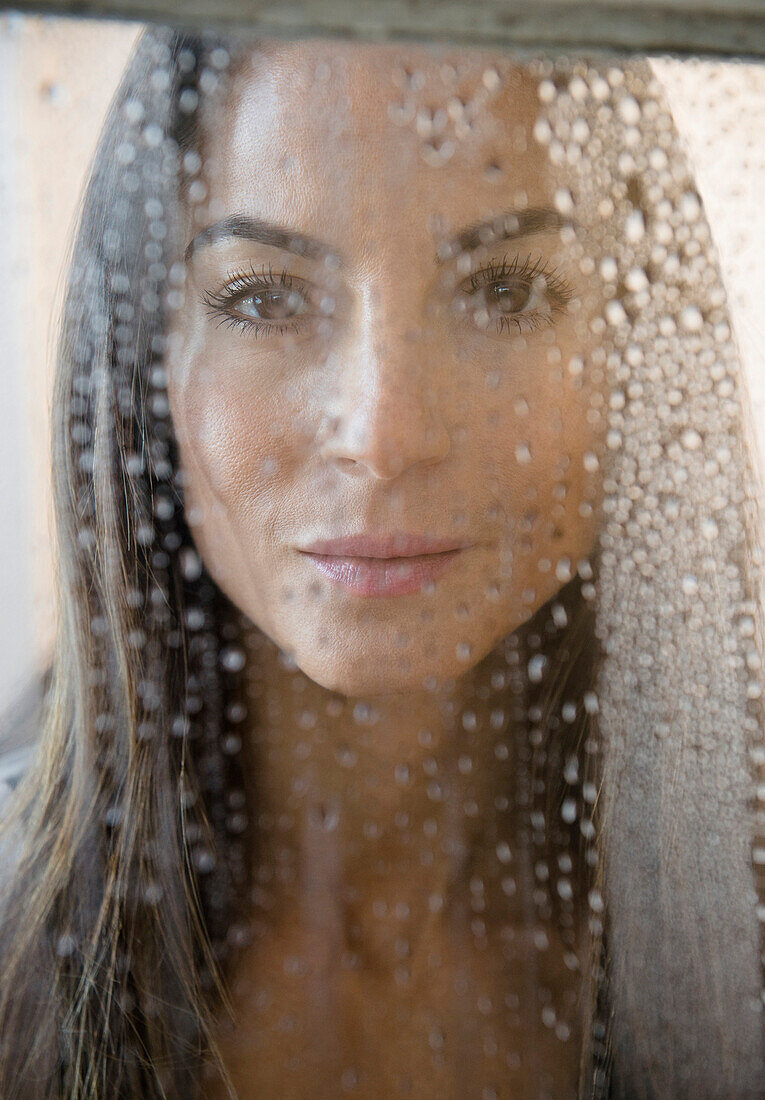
pixel 56 80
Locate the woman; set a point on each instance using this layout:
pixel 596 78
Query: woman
pixel 406 588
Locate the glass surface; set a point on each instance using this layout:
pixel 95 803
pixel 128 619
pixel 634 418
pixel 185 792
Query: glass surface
pixel 382 570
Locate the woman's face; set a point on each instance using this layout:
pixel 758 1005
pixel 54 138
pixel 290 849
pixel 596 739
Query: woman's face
pixel 355 359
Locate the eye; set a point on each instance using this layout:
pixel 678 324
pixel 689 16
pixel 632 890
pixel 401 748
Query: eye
pixel 271 305
pixel 516 295
pixel 260 302
pixel 508 297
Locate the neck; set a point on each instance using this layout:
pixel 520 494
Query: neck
pixel 372 812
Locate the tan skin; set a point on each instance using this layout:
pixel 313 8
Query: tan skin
pixel 387 396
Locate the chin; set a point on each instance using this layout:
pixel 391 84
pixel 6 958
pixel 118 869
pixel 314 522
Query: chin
pixel 362 680
pixel 380 673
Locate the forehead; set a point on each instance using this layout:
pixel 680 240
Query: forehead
pixel 357 134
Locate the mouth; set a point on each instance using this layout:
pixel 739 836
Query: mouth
pixel 394 565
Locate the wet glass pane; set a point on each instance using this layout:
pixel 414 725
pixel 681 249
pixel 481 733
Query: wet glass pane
pixel 381 484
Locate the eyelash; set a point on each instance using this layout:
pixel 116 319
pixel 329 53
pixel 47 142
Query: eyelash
pixel 525 271
pixel 245 283
pixel 241 286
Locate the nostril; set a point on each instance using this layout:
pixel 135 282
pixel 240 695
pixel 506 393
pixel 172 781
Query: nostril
pixel 345 464
pixel 385 433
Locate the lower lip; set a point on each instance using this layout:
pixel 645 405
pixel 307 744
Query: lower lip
pixel 384 576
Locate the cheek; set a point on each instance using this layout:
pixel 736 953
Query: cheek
pixel 544 472
pixel 238 434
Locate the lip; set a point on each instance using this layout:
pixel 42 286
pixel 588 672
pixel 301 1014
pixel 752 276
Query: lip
pixel 394 565
pixel 397 545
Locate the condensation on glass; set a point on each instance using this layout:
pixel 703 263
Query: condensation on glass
pixel 403 732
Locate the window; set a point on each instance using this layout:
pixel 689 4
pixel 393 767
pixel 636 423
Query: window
pixel 382 564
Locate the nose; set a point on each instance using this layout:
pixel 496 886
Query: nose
pixel 387 414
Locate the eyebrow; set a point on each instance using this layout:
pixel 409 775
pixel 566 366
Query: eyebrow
pixel 503 227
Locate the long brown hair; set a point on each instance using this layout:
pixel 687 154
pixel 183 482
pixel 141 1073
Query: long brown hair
pixel 115 927
pixel 114 923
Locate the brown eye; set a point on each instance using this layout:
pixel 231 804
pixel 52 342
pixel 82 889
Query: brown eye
pixel 271 305
pixel 507 298
pixel 263 302
pixel 513 296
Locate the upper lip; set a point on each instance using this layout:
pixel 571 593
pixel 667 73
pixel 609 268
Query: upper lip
pixel 398 545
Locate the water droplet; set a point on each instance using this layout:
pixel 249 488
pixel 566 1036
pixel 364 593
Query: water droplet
pixel 232 658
